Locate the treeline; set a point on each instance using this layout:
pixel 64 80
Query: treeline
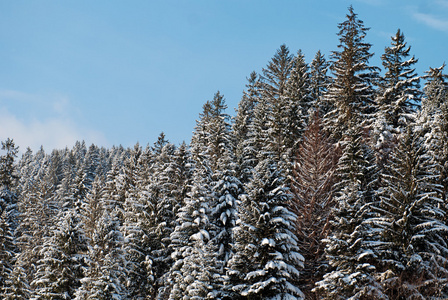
pixel 331 182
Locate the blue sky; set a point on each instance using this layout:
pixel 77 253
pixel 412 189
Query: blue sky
pixel 120 72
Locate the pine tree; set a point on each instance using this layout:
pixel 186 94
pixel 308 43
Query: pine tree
pixel 350 94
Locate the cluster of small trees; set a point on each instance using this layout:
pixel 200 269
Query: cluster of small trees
pixel 323 186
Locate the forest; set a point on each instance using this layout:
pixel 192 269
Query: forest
pixel 329 182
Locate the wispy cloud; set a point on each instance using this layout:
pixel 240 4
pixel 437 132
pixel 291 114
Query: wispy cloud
pixel 33 120
pixel 372 2
pixel 54 133
pixel 432 21
pixel 433 14
pixel 443 3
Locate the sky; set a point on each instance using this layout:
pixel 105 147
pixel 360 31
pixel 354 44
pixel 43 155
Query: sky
pixel 120 72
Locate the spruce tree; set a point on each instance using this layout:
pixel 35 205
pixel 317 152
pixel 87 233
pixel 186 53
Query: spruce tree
pixel 226 189
pixel 290 112
pixel 8 210
pixel 137 244
pixel 59 270
pixel 241 124
pixel 352 270
pixel 189 239
pixel 411 246
pixel 319 83
pixel 275 75
pixel 433 124
pixel 398 97
pixel 351 94
pixel 38 210
pixel 104 275
pixel 313 199
pixel 399 89
pixel 266 263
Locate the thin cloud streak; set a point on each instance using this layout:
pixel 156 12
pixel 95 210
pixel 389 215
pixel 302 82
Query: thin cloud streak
pixel 52 133
pixel 32 120
pixel 432 21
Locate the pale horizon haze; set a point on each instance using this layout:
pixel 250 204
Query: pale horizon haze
pixel 121 72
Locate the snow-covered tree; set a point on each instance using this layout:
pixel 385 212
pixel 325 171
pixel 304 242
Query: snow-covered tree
pixel 16 285
pixel 433 123
pixel 319 83
pixel 275 75
pixel 225 188
pixel 350 95
pixel 289 114
pixel 351 275
pixel 398 97
pixel 241 124
pixel 188 273
pixel 59 270
pixel 38 210
pixel 104 275
pixel 8 209
pixel 399 89
pixel 411 245
pixel 267 261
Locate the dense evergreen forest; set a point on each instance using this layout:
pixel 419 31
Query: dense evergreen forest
pixel 330 182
